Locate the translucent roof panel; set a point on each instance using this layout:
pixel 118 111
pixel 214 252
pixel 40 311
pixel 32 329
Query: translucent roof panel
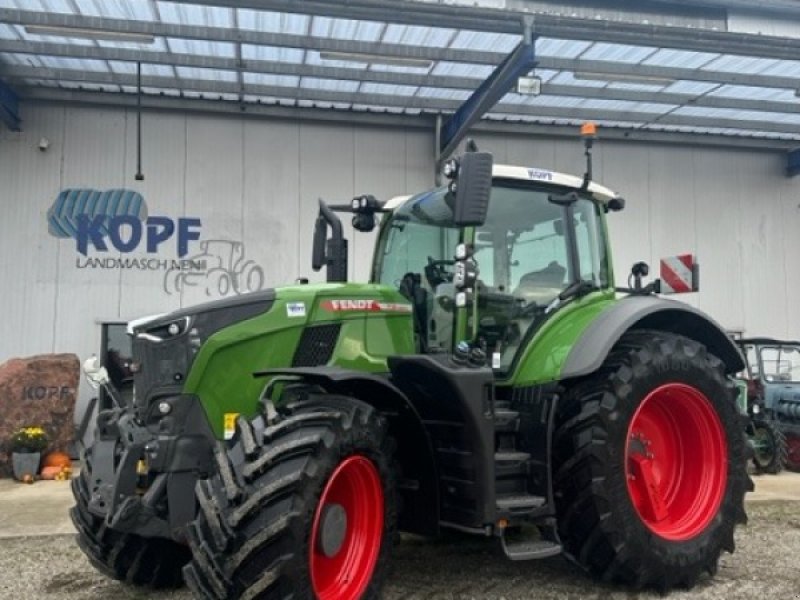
pixel 636 87
pixel 740 64
pixel 272 22
pixel 347 29
pixel 480 40
pixel 692 88
pixel 400 69
pixel 211 74
pixel 272 53
pixel 414 35
pixel 444 94
pixel 687 59
pixel 569 78
pixel 314 58
pixel 202 47
pixel 618 52
pixel 80 64
pixel 560 48
pixel 56 6
pixel 117 9
pixel 479 72
pixel 756 93
pixel 193 14
pixel 266 79
pixel 332 85
pixel 129 68
pixel 388 89
pixel 7 32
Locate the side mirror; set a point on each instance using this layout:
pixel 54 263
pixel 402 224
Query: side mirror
pixel 96 375
pixel 318 248
pixel 473 185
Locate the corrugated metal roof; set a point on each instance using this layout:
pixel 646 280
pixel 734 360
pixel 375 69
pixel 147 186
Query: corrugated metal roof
pixel 737 89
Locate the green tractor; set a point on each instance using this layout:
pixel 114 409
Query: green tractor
pixel 488 380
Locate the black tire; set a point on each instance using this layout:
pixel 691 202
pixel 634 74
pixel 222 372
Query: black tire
pixel 771 459
pixel 251 537
pixel 154 563
pixel 601 528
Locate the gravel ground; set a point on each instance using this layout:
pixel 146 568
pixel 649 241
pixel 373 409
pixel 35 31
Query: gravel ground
pixel 457 567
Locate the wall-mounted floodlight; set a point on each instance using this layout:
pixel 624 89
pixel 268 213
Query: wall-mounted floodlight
pixel 90 34
pixel 529 86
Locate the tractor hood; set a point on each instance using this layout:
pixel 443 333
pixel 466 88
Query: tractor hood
pixel 226 311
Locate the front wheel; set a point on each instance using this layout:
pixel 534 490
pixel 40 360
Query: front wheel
pixel 650 464
pixel 769 447
pixel 304 511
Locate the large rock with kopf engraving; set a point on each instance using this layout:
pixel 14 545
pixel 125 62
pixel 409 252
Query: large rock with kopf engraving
pixel 38 391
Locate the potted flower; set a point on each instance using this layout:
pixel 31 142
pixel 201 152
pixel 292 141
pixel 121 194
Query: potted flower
pixel 26 451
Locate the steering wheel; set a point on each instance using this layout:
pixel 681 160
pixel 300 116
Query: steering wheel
pixel 435 272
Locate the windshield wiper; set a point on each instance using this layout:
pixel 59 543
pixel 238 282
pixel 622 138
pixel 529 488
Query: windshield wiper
pixel 576 289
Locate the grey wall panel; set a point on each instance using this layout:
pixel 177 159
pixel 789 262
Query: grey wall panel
pixel 94 157
pixel 214 192
pixel 326 171
pixel 718 224
pixel 271 189
pixel 761 245
pixel 29 181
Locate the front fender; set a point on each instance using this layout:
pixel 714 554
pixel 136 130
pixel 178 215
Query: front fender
pixel 648 312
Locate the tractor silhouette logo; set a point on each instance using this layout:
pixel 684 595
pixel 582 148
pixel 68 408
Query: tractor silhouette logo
pixel 227 271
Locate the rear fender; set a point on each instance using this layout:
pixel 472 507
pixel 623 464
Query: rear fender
pixel 648 312
pixel 418 477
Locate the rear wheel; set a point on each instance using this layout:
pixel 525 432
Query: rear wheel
pixel 792 434
pixel 154 563
pixel 306 511
pixel 769 447
pixel 650 463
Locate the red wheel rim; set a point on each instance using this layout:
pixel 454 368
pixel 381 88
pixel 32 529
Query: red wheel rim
pixel 676 461
pixel 793 452
pixel 354 486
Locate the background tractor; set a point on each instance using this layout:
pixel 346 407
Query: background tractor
pixel 488 379
pixel 771 385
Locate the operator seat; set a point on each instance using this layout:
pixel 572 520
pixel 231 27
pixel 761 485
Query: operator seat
pixel 542 286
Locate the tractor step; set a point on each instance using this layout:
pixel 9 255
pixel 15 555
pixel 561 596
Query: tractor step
pixel 506 421
pixel 529 549
pixel 520 503
pixel 511 471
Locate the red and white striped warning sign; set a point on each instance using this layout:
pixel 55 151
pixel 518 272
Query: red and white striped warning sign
pixel 678 274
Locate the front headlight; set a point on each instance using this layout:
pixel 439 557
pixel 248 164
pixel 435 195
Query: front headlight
pixel 756 409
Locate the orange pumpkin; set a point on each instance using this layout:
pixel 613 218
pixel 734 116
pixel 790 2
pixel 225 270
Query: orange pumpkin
pixel 50 472
pixel 57 459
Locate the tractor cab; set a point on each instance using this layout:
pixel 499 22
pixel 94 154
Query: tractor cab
pixel 542 242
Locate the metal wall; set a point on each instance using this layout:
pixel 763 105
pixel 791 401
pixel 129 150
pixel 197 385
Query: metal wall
pixel 257 182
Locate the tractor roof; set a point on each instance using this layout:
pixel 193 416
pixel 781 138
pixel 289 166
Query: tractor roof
pixel 545 176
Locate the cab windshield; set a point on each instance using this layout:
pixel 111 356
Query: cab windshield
pixel 781 363
pixel 523 257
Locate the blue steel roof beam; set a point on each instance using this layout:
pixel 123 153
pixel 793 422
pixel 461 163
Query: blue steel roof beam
pixel 9 107
pixel 520 62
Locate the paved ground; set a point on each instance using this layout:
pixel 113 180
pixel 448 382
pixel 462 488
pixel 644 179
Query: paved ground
pixel 39 558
